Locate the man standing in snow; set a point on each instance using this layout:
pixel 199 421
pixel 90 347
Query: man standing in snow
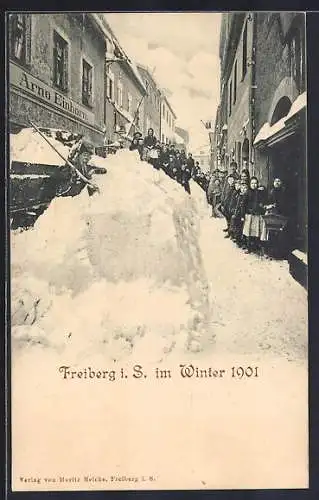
pixel 190 163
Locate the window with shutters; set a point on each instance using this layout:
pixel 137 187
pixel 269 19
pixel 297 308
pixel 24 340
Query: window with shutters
pixel 87 79
pixel 129 103
pixel 235 82
pixel 244 70
pixel 60 62
pixel 230 93
pixel 20 38
pixel 110 85
pixel 120 94
pixel 296 46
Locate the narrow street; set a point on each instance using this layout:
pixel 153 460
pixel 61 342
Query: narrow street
pixel 203 293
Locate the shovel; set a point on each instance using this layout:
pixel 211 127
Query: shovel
pixel 93 186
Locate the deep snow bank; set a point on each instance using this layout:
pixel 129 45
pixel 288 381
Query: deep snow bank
pixel 121 271
pixel 29 146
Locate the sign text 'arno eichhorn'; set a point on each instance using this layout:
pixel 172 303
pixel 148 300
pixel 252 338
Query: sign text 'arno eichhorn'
pixel 31 85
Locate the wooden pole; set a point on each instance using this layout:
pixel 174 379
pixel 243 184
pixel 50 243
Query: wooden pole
pixel 87 181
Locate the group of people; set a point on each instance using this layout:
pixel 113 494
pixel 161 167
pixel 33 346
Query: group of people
pixel 256 220
pixel 173 161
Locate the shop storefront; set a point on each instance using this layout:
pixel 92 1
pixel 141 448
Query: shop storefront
pixel 32 99
pixel 283 142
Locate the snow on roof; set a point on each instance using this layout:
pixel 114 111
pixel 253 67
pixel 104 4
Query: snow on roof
pixel 297 105
pixel 268 130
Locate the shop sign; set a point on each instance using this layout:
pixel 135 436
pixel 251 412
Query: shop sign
pixel 28 84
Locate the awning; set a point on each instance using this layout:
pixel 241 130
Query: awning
pixel 299 104
pixel 267 131
pixel 281 128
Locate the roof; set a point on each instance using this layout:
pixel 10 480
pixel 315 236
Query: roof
pixel 168 104
pixel 267 130
pixel 131 64
pixel 149 74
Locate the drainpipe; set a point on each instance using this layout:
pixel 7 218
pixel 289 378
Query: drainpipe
pixel 252 91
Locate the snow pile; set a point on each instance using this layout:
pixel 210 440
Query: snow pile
pixel 29 146
pixel 120 272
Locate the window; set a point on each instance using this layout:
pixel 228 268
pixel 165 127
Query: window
pixel 164 111
pixel 163 138
pixel 110 85
pixel 235 82
pixel 60 62
pixel 297 59
pixel 120 94
pixel 20 37
pixel 130 103
pixel 87 75
pixel 244 52
pixel 230 93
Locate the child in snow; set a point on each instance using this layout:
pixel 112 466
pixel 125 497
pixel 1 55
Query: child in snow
pixel 232 206
pixel 237 221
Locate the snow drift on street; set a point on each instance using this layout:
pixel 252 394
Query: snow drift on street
pixel 120 271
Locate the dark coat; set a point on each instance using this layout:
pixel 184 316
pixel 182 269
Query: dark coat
pixel 255 202
pixel 277 197
pixel 241 206
pixel 150 141
pixel 134 145
pixel 233 201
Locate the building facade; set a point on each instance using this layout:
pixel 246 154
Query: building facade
pixel 235 121
pixel 203 158
pixel 56 73
pixel 260 122
pixel 152 102
pixel 280 113
pixel 124 92
pixel 182 137
pixel 168 118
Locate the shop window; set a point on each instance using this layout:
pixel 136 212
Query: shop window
pixel 20 37
pixel 235 82
pixel 87 77
pixel 60 62
pixel 244 70
pixel 296 46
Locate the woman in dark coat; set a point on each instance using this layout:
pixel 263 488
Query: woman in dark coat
pixel 150 140
pixel 254 226
pixel 277 201
pixel 232 206
pixel 277 240
pixel 238 216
